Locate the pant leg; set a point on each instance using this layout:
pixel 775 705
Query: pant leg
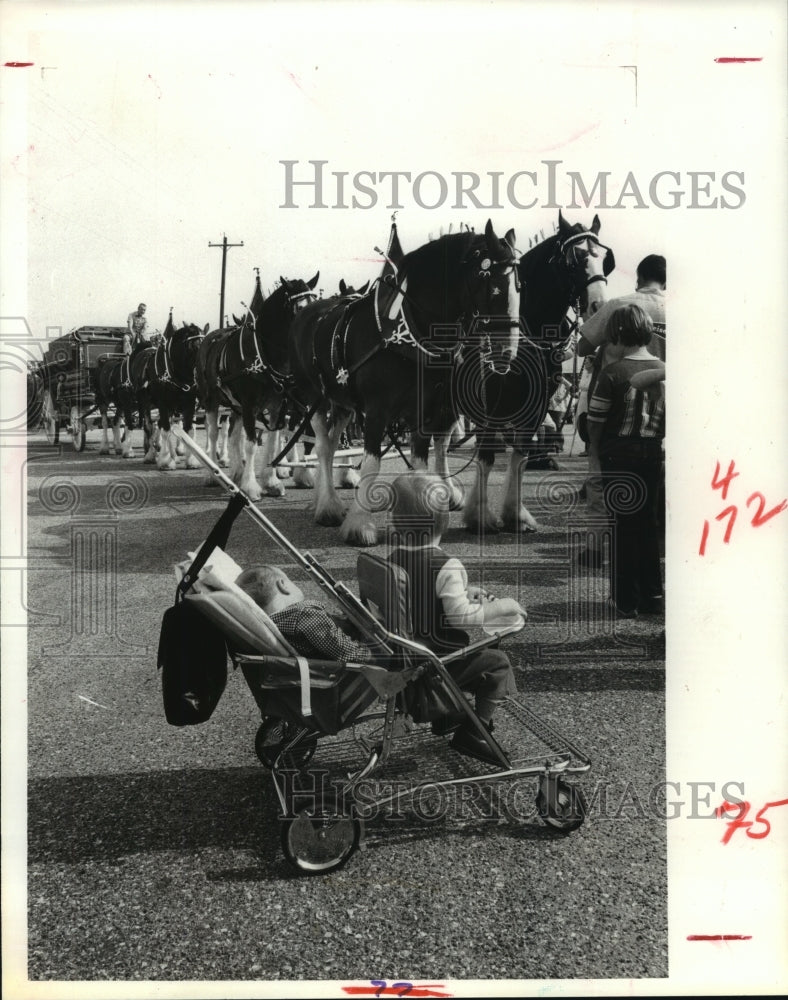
pixel 489 676
pixel 631 480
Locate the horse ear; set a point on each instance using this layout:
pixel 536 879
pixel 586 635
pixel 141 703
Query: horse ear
pixel 563 225
pixel 342 286
pixel 364 287
pixel 596 225
pixel 511 239
pixel 283 282
pixel 493 243
pixel 609 263
pixel 206 328
pixel 314 281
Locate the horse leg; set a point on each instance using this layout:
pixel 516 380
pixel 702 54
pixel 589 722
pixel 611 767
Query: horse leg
pixel 128 416
pixel 457 496
pixel 247 428
pixel 477 515
pixel 514 513
pixel 269 476
pixel 329 510
pixel 419 451
pixel 222 441
pixel 359 527
pixel 150 437
pixel 166 460
pixel 104 449
pixel 235 449
pixel 192 462
pixel 303 478
pixel 116 434
pixel 283 470
pixel 347 477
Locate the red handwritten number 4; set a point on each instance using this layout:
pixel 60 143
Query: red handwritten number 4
pixel 758 518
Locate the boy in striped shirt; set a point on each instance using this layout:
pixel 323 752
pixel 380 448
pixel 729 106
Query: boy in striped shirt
pixel 626 424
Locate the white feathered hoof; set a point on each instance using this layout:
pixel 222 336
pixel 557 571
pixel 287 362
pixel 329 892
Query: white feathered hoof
pixel 128 454
pixel 490 524
pixel 193 463
pixel 283 471
pixel 168 466
pixel 253 491
pixel 348 479
pixel 524 523
pixel 330 514
pixel 361 533
pixel 274 490
pixel 304 479
pixel 104 449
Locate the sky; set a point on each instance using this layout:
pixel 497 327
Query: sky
pixel 141 133
pixel 169 134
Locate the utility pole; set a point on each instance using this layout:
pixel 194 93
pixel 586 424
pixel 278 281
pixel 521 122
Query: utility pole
pixel 225 247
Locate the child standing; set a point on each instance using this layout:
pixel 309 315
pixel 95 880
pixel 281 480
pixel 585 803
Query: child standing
pixel 626 423
pixel 441 604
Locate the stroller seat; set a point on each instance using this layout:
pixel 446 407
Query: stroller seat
pixel 320 695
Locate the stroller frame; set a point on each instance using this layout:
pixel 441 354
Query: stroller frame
pixel 321 835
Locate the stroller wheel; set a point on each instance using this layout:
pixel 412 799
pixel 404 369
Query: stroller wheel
pixel 321 837
pixel 560 804
pixel 273 735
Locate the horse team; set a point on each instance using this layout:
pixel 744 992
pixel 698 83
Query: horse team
pixel 462 326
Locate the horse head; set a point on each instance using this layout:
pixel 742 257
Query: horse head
pixel 298 293
pixel 465 286
pixel 181 349
pixel 348 291
pixel 583 263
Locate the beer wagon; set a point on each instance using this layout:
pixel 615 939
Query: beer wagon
pixel 68 379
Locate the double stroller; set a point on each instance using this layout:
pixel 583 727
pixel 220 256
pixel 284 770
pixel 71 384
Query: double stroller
pixel 363 718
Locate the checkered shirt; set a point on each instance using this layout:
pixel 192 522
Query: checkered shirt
pixel 313 633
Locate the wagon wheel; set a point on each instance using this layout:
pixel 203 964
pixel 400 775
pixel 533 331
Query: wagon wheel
pixel 50 420
pixel 322 836
pixel 560 804
pixel 79 429
pixel 274 734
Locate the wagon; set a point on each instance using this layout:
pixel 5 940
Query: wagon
pixel 68 379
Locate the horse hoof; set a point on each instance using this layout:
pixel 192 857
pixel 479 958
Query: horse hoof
pixel 361 535
pixel 283 473
pixel 329 518
pixel 276 490
pixel 349 481
pixel 192 463
pixel 304 482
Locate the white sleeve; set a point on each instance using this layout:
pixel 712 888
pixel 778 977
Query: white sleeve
pixel 451 586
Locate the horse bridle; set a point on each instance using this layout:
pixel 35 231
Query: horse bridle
pixel 166 376
pixel 562 260
pixel 260 365
pixel 485 341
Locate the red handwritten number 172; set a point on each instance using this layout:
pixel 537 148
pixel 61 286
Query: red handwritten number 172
pixel 761 515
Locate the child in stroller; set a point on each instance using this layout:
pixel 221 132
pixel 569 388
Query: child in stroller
pixel 441 603
pixel 306 625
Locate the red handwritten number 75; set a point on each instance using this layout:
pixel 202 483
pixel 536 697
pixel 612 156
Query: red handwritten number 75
pixel 739 823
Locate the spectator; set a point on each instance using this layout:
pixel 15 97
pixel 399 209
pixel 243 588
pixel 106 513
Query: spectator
pixel 649 294
pixel 626 427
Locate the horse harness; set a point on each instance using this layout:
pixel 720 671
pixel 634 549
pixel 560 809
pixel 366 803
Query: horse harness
pixel 165 376
pixel 393 326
